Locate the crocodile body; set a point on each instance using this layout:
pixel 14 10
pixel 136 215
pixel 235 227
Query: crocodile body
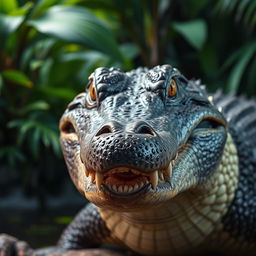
pixel 193 157
pixel 169 170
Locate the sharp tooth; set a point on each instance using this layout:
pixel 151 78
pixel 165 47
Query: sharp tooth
pixel 130 189
pixel 120 189
pixel 168 172
pixel 114 188
pixel 99 179
pixel 126 188
pixel 141 184
pixel 160 175
pixel 153 178
pixel 136 187
pixel 92 174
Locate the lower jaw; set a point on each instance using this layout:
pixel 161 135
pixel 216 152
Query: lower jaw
pixel 144 199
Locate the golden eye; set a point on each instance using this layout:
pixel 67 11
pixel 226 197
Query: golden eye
pixel 172 88
pixel 92 91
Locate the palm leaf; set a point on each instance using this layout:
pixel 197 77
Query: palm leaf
pixel 77 25
pixel 244 10
pixel 238 70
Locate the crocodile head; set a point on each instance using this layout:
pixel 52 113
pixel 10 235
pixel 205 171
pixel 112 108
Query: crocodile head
pixel 136 139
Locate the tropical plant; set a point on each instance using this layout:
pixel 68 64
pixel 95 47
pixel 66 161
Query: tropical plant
pixel 242 62
pixel 243 10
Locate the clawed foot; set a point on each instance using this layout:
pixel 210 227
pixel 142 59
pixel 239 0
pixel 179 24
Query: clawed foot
pixel 87 252
pixel 12 246
pixel 92 252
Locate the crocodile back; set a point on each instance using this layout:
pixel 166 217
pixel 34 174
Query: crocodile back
pixel 240 220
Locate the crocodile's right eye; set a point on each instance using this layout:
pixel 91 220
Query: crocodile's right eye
pixel 92 92
pixel 68 130
pixel 172 88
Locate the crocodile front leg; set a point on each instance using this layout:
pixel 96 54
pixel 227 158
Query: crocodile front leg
pixel 10 245
pixel 82 237
pixel 86 232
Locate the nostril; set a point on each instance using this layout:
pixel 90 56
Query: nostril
pixel 104 130
pixel 110 127
pixel 144 129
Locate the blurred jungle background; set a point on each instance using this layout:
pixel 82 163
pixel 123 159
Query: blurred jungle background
pixel 47 50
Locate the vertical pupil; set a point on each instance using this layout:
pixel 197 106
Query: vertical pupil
pixel 92 92
pixel 172 88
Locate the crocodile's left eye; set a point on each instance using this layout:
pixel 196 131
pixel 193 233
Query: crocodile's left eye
pixel 92 92
pixel 172 88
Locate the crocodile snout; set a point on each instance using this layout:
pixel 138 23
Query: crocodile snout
pixel 137 146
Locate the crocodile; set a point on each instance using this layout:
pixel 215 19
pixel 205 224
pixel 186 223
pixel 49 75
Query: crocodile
pixel 168 168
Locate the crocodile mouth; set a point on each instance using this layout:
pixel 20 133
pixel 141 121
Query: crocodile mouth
pixel 127 181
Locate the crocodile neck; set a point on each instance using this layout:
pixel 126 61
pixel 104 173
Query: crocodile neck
pixel 183 222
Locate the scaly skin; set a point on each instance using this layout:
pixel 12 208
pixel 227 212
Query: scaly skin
pixel 167 168
pixel 184 222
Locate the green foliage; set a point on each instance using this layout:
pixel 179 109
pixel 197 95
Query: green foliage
pixel 242 9
pixel 8 6
pixel 35 128
pixel 77 25
pixel 11 155
pixel 195 32
pixel 8 25
pixel 241 58
pixel 63 220
pixel 48 48
pixel 17 77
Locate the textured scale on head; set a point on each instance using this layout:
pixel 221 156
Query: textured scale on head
pixel 166 170
pixel 129 143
